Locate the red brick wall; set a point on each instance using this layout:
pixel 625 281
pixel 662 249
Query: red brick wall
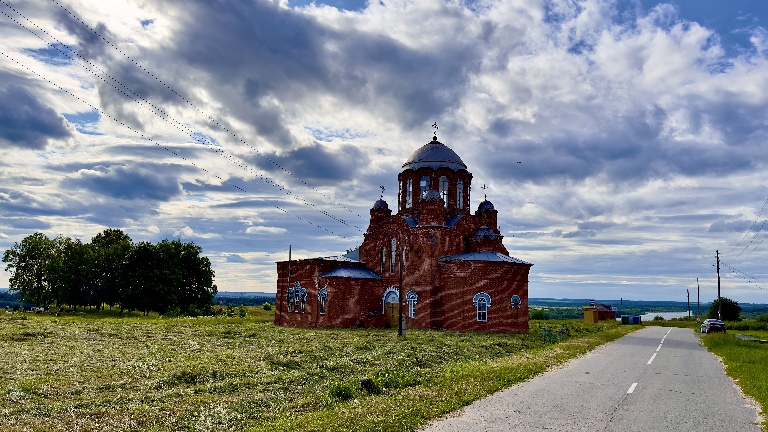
pixel 460 281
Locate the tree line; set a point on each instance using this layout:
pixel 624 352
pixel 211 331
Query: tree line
pixel 112 271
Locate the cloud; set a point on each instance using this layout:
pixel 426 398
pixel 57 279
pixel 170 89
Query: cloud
pixel 319 164
pixel 128 183
pixel 265 230
pixel 187 232
pixel 26 122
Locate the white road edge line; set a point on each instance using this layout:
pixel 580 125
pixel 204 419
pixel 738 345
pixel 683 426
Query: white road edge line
pixel 668 332
pixel 632 388
pixel 657 349
pixel 652 357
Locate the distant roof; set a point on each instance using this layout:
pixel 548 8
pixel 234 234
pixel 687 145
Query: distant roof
pixel 352 272
pixel 483 256
pixel 412 221
pixel 346 258
pixel 434 155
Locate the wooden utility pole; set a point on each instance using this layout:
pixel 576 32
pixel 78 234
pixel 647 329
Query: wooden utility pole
pixel 688 293
pixel 400 320
pixel 719 303
pixel 698 301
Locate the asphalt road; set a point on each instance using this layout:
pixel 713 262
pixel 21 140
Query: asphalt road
pixel 656 379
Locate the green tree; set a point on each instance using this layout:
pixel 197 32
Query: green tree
pixel 70 272
pixel 28 264
pixel 731 310
pixel 111 249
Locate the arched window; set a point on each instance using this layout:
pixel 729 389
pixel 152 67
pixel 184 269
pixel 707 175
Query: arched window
pixel 291 297
pixel 460 194
pixel 482 302
pixel 322 300
pixel 409 194
pixel 412 298
pixel 423 186
pixel 515 302
pixel 391 295
pixel 444 189
pixel 392 255
pixel 301 299
pixel 383 260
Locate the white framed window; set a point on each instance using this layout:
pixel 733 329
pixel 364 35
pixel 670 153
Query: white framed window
pixel 392 255
pixel 412 298
pixel 482 302
pixel 322 300
pixel 460 194
pixel 444 189
pixel 409 194
pixel 383 260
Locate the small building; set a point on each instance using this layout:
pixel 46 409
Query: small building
pixel 456 273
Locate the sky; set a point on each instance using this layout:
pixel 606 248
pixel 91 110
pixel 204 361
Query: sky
pixel 247 127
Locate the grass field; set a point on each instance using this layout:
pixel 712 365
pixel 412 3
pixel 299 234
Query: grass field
pixel 745 362
pixel 102 372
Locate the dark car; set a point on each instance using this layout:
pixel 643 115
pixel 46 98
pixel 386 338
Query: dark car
pixel 712 325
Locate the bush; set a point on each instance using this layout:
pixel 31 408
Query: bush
pixel 267 306
pixel 241 312
pixel 343 390
pixel 658 318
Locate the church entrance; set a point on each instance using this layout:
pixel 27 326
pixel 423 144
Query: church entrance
pixel 391 300
pixel 391 314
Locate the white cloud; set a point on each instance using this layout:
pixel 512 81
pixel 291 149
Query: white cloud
pixel 265 230
pixel 642 137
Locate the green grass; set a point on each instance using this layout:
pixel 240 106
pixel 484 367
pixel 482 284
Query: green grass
pixel 106 371
pixel 744 362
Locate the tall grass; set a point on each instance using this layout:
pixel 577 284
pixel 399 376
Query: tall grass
pixel 119 372
pixel 745 362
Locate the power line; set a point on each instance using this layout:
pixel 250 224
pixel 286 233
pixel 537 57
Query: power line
pixel 747 277
pixel 200 111
pixel 160 113
pixel 161 145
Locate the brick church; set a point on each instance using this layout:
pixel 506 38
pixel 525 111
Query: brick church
pixel 456 274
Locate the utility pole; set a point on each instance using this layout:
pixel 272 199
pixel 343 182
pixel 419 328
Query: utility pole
pixel 400 318
pixel 698 301
pixel 719 303
pixel 688 293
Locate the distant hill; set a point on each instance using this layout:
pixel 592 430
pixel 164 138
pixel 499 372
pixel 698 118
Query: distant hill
pixel 233 298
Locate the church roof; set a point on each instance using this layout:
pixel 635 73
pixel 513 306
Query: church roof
pixel 483 256
pixel 352 272
pixel 434 155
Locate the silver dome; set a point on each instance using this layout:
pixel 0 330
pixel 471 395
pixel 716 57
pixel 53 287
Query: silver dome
pixel 434 155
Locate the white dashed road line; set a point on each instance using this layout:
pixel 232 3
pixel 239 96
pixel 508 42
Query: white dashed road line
pixel 632 388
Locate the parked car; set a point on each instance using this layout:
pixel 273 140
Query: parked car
pixel 712 325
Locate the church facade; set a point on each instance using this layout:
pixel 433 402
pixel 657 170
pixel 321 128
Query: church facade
pixel 445 266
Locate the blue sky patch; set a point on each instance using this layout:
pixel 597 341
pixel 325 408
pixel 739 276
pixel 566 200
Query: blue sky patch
pixel 85 122
pixel 349 5
pixel 56 54
pixel 205 139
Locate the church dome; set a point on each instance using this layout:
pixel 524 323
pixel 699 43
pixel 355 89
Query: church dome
pixel 380 205
pixel 486 205
pixel 434 155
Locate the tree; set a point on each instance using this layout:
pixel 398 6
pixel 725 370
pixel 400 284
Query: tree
pixel 731 310
pixel 70 272
pixel 28 264
pixel 111 249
